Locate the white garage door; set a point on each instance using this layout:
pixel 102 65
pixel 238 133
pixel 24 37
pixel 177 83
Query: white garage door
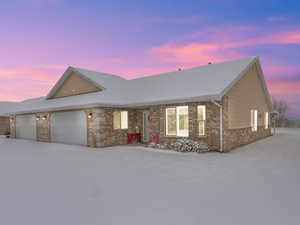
pixel 26 127
pixel 69 128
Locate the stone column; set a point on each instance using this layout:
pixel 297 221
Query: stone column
pixel 43 125
pixel 12 122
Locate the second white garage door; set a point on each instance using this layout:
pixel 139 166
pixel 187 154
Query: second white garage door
pixel 69 128
pixel 26 127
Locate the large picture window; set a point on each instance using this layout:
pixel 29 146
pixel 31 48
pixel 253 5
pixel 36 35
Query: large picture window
pixel 120 120
pixel 177 121
pixel 201 111
pixel 254 115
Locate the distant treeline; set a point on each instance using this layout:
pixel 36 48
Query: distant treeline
pixel 282 120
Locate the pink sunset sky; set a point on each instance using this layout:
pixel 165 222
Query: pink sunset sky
pixel 40 39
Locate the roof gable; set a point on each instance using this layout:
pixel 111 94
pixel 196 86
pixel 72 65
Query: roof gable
pixel 254 63
pixel 73 83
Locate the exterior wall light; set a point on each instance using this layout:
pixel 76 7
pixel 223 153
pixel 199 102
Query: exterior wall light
pixel 90 115
pixel 38 118
pixel 44 117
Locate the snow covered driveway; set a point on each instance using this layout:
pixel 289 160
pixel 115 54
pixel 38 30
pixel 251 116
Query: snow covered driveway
pixel 47 184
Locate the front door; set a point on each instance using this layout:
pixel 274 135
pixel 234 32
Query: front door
pixel 146 126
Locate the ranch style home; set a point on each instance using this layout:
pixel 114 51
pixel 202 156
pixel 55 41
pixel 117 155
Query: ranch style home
pixel 224 104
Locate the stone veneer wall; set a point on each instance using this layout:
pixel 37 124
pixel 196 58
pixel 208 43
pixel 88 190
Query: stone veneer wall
pixel 43 132
pixel 233 138
pixel 237 137
pixel 212 137
pixel 4 125
pixel 12 120
pixel 100 127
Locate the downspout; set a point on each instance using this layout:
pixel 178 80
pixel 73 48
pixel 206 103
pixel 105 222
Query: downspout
pixel 221 124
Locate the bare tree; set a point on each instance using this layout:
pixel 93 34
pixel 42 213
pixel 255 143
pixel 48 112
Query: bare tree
pixel 281 107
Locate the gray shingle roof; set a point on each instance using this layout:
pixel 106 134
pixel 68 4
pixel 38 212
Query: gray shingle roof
pixel 6 107
pixel 202 83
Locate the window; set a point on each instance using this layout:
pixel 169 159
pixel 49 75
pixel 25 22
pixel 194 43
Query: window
pixel 120 120
pixel 266 120
pixel 201 111
pixel 177 121
pixel 171 121
pixel 254 115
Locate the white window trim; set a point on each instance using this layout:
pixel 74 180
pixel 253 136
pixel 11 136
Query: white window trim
pixel 177 108
pixel 204 120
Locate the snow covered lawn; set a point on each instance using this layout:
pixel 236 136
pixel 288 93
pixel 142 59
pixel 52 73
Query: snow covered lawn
pixel 53 184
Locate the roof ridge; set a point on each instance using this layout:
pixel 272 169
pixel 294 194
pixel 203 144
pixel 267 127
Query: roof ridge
pixel 195 67
pixel 93 71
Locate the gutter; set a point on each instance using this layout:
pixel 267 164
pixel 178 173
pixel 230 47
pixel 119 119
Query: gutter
pixel 221 124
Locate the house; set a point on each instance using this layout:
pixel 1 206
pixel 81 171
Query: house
pixel 5 107
pixel 225 104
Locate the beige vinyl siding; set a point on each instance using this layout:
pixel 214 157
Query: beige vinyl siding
pixel 75 85
pixel 246 95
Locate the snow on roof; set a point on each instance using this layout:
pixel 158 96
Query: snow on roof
pixel 7 107
pixel 204 83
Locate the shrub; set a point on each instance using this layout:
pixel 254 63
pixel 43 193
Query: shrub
pixel 186 145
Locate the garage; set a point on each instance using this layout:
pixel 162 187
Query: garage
pixel 69 127
pixel 26 127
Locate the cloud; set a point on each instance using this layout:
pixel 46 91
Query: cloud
pixel 284 86
pixel 274 69
pixel 24 83
pixel 224 48
pixel 29 74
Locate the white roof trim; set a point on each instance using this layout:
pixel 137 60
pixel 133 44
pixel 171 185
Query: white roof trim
pixel 120 105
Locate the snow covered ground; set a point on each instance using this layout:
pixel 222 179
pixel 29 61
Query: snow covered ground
pixel 47 184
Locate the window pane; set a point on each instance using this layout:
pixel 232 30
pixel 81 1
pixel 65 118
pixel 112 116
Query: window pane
pixel 171 121
pixel 124 119
pixel 254 117
pixel 201 128
pixel 117 120
pixel 255 120
pixel 266 120
pixel 183 121
pixel 201 112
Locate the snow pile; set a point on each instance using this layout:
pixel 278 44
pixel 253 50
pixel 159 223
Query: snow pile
pixel 187 145
pixel 183 145
pixel 48 183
